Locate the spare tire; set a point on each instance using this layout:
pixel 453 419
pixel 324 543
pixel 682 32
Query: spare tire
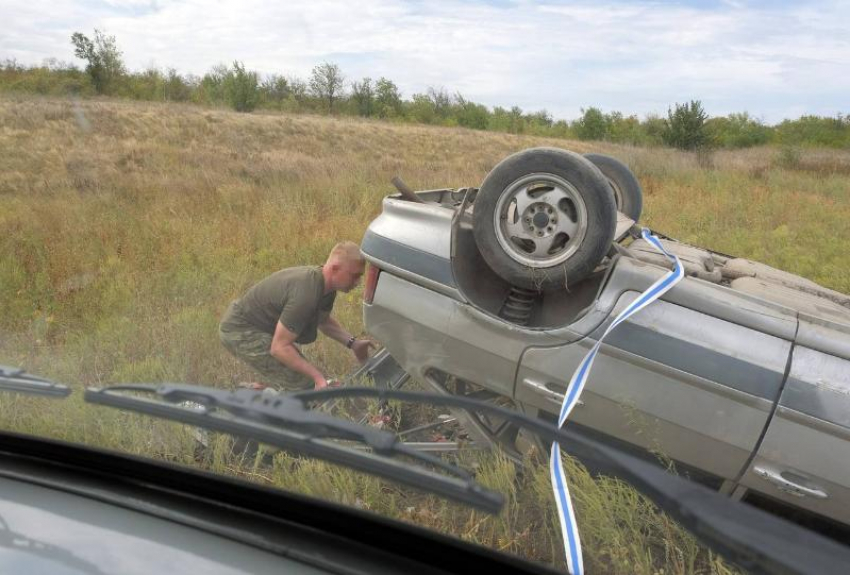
pixel 627 192
pixel 544 218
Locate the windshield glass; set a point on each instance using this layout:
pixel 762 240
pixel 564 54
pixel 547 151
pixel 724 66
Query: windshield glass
pixel 150 197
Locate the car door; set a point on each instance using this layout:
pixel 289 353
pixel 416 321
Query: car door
pixel 686 378
pixel 803 459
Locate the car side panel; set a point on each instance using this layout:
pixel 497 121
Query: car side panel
pixel 695 388
pixel 803 458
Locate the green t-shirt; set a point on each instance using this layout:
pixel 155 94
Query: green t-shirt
pixel 293 296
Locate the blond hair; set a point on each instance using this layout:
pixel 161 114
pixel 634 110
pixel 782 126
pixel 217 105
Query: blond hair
pixel 346 252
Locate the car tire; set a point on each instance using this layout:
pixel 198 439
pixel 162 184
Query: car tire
pixel 544 218
pixel 626 188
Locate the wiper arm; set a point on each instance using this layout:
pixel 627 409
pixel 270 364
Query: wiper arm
pixel 748 537
pixel 286 422
pixel 17 380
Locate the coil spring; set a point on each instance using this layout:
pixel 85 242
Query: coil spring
pixel 518 306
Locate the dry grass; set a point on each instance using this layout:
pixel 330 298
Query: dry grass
pixel 130 226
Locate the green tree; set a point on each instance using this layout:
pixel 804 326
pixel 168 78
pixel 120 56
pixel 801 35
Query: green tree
pixel 815 131
pixel 561 129
pixel 104 65
pixel 653 127
pixel 387 98
pixel 685 127
pixel 500 120
pixel 363 96
pixel 300 90
pixel 593 125
pixel 471 115
pixel 175 87
pixel 539 123
pixel 421 109
pixel 625 129
pixel 211 87
pixel 441 102
pixel 275 89
pixel 738 131
pixel 327 84
pixel 146 85
pixel 517 120
pixel 241 88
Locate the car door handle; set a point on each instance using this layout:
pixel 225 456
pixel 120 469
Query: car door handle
pixel 786 485
pixel 546 390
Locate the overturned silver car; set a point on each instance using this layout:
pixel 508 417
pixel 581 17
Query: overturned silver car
pixel 739 376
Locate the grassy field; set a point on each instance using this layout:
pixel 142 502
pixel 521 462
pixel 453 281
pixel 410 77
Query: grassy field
pixel 128 228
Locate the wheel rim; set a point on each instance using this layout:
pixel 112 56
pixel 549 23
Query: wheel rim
pixel 540 220
pixel 618 194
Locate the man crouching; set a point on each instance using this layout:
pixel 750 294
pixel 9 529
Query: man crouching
pixel 264 327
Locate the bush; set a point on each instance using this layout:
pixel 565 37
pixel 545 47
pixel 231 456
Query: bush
pixel 592 125
pixel 789 157
pixel 211 87
pixel 626 129
pixel 363 97
pixel 52 79
pixel 241 88
pixel 175 87
pixel 471 115
pixel 421 109
pixel 685 126
pixel 737 131
pixel 815 131
pixel 653 127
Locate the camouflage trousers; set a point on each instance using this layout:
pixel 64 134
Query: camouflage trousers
pixel 252 346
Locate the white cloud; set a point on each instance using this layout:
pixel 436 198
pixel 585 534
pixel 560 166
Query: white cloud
pixel 636 58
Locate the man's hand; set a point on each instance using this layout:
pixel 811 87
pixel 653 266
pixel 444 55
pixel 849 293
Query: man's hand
pixel 360 347
pixel 256 386
pixel 322 383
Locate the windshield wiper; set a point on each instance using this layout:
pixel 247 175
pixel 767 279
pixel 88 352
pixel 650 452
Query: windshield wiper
pixel 746 536
pixel 17 380
pixel 285 421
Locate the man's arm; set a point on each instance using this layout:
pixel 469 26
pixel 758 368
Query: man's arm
pixel 332 328
pixel 283 350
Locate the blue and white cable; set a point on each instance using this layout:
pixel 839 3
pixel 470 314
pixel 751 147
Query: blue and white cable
pixel 569 529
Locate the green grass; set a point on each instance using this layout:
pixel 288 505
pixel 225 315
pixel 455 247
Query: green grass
pixel 129 227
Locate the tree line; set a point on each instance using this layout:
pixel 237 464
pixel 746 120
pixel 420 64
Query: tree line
pixel 329 91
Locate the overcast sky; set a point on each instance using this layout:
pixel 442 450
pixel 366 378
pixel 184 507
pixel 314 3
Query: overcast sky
pixel 773 59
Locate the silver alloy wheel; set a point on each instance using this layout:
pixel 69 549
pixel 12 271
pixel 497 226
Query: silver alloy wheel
pixel 540 220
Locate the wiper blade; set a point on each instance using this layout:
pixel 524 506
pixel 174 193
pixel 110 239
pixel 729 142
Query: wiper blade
pixel 17 380
pixel 746 536
pixel 285 421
